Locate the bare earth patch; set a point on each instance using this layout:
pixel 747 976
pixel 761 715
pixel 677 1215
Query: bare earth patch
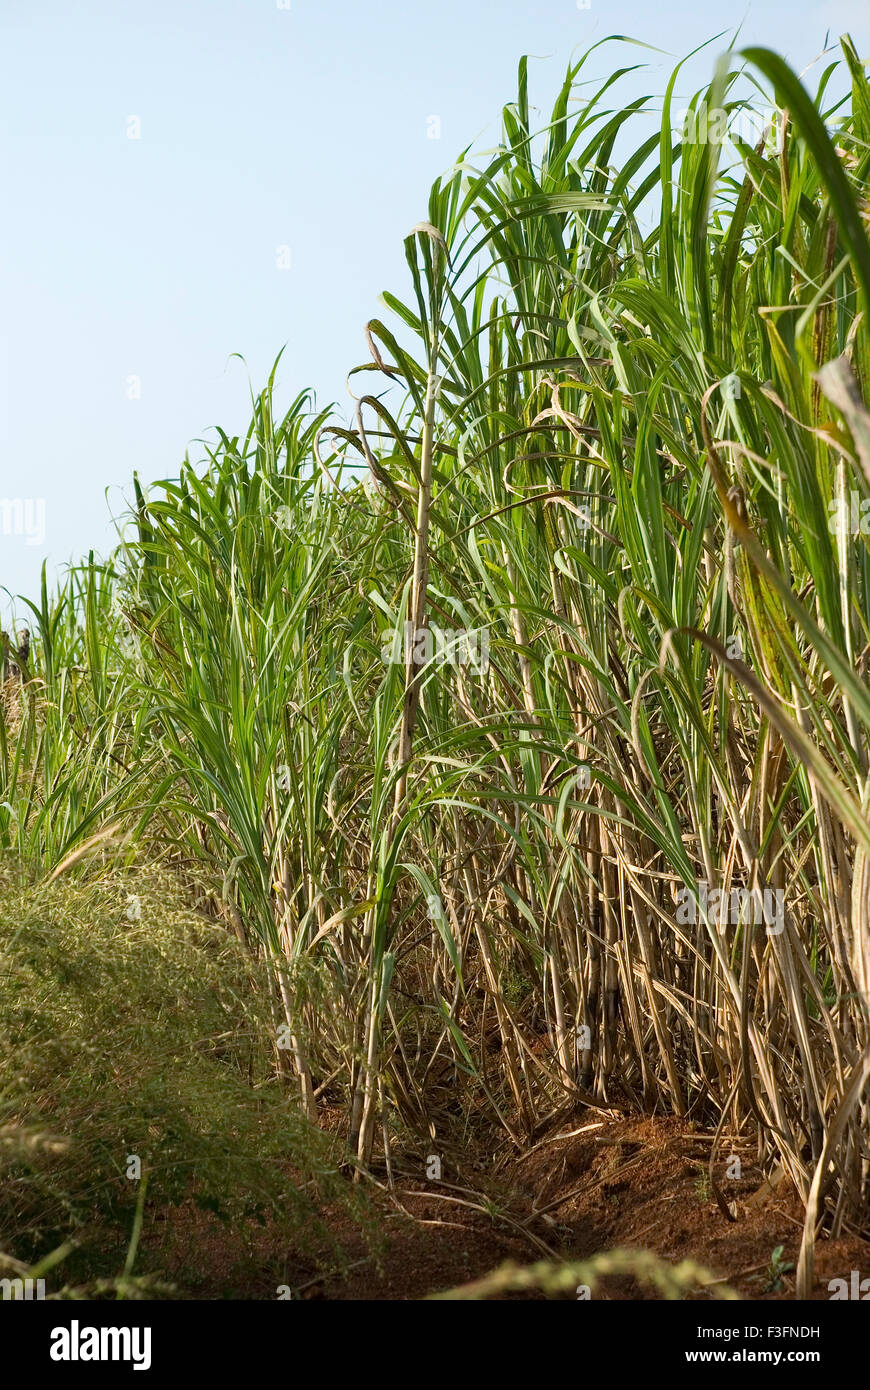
pixel 630 1183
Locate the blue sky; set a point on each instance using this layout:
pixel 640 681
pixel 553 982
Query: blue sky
pixel 132 268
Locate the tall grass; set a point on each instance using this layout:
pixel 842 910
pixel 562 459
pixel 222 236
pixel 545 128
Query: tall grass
pixel 607 429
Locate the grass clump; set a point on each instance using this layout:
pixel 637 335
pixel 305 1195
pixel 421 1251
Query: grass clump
pixel 131 1028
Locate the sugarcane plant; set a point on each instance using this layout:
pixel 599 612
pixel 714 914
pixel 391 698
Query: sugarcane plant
pixel 619 428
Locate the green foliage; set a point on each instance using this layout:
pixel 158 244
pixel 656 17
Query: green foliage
pixel 776 1270
pixel 613 428
pixel 131 1026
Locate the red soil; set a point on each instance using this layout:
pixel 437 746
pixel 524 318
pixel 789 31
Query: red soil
pixel 593 1184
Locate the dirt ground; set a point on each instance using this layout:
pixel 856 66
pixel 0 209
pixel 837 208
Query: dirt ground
pixel 592 1184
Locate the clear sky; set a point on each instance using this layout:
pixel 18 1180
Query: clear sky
pixel 132 268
